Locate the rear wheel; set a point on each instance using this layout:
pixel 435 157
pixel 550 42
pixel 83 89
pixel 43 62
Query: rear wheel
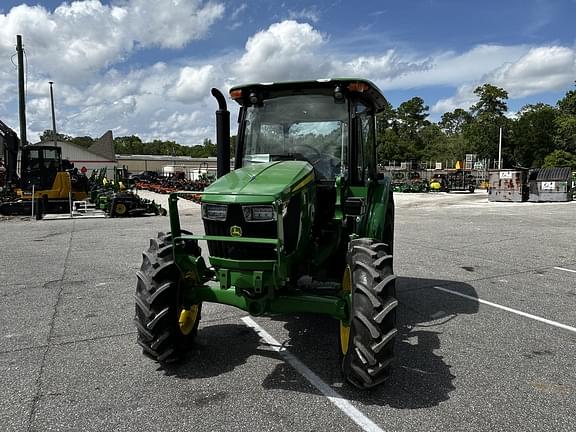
pixel 367 341
pixel 166 326
pixel 120 206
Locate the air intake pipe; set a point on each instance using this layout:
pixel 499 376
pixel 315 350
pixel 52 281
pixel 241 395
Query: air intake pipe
pixel 222 135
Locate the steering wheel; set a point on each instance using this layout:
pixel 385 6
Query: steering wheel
pixel 324 163
pixel 312 148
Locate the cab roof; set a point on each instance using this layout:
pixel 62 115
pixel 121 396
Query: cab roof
pixel 358 86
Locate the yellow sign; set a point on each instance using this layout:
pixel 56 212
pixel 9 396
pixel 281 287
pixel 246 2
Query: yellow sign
pixel 235 231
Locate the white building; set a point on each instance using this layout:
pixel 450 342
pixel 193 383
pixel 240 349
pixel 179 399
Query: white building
pixel 193 167
pixel 86 159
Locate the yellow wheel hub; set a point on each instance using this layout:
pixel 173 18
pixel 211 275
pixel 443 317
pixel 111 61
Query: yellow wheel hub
pixel 187 319
pixel 120 208
pixel 345 328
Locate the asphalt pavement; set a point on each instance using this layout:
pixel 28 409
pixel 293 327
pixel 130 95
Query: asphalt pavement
pixel 487 334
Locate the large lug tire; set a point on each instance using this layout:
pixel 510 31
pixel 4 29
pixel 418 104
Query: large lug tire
pixel 166 327
pixel 367 343
pixel 389 229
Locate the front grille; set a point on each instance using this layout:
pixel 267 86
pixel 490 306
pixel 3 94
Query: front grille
pixel 241 251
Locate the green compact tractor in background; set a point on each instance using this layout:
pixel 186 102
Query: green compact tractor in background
pixel 303 224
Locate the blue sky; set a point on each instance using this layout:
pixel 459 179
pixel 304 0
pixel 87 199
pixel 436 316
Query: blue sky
pixel 146 67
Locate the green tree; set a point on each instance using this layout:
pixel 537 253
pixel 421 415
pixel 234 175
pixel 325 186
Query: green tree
pixel 388 147
pixel 492 101
pixel 387 135
pixel 567 104
pixel 452 123
pixel 411 119
pixel 47 135
pixel 413 112
pixel 435 143
pixel 128 145
pixel 533 134
pixel 85 141
pixel 565 137
pixel 488 117
pixel 385 119
pixel 197 151
pixel 209 148
pixel 560 158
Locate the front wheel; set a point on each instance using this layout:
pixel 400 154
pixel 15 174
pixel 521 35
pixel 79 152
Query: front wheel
pixel 166 326
pixel 367 341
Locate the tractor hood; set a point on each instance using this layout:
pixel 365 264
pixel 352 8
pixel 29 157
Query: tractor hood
pixel 260 183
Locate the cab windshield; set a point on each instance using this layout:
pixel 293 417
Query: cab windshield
pixel 300 127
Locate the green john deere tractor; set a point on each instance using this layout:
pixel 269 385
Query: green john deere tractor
pixel 303 224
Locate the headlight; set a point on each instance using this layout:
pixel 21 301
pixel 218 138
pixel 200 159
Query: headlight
pixel 259 213
pixel 214 211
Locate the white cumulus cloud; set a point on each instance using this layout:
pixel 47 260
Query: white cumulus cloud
pixel 381 69
pixel 450 68
pixel 286 50
pixel 79 39
pixel 88 48
pixel 540 69
pixel 193 83
pixel 536 70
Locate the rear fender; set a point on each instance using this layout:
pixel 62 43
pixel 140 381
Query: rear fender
pixel 378 202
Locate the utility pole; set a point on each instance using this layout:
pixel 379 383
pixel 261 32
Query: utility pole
pixel 53 116
pixel 500 150
pixel 21 95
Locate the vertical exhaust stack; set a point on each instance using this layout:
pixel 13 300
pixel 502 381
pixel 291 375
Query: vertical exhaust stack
pixel 222 135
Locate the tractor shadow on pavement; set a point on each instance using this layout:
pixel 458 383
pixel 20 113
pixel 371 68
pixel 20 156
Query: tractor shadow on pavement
pixel 218 349
pixel 421 378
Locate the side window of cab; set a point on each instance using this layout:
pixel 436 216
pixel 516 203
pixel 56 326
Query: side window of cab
pixel 364 158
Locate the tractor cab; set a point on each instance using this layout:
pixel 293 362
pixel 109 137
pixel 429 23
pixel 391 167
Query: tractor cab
pixel 40 164
pixel 45 177
pixel 328 123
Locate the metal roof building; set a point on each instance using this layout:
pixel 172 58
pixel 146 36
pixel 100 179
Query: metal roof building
pixel 193 167
pixel 136 163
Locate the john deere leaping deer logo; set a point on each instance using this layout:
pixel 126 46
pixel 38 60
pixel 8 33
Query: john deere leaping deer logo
pixel 235 231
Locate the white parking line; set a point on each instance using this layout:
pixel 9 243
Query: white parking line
pixel 344 405
pixel 517 312
pixel 565 269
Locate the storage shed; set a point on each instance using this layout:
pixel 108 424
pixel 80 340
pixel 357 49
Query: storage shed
pixel 507 185
pixel 551 185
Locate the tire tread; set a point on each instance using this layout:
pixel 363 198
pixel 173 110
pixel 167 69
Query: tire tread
pixel 156 302
pixel 370 354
